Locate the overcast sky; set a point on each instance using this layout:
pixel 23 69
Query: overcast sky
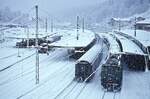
pixel 49 5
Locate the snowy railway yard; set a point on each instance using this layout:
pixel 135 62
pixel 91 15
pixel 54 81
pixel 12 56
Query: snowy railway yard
pixel 57 69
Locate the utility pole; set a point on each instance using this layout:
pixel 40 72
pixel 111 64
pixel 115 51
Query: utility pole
pixel 135 27
pixel 77 27
pixel 27 37
pixel 46 25
pixel 3 37
pixel 37 54
pixel 83 25
pixel 51 25
pixel 119 25
pixel 18 47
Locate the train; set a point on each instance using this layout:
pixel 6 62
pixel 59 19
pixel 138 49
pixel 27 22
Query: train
pixel 24 43
pixel 112 73
pixel 89 62
pixel 135 62
pixel 32 41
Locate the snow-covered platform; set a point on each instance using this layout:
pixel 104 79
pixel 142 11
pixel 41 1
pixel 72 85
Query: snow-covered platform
pixel 69 39
pixel 141 35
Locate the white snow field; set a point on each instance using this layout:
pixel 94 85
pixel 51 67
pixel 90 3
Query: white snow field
pixel 57 73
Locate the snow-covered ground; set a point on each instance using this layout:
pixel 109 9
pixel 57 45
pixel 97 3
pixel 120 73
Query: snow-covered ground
pixel 57 74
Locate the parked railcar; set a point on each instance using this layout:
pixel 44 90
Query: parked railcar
pixel 23 43
pixel 111 73
pixel 32 41
pixel 89 62
pixel 135 62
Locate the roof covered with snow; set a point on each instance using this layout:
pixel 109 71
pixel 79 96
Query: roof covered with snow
pixel 91 54
pixel 147 21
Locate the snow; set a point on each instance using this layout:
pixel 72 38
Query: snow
pixel 141 35
pixel 24 33
pixel 94 51
pixel 122 19
pixel 57 72
pixel 135 85
pixel 114 47
pixel 129 46
pixel 69 39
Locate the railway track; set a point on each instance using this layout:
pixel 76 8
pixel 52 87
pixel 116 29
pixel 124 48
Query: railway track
pixel 31 70
pixel 111 95
pixel 14 54
pixel 65 88
pixel 46 81
pixel 51 75
pixel 118 42
pixel 9 66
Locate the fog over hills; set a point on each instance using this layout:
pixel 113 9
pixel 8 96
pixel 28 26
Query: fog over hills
pixel 114 8
pixel 67 10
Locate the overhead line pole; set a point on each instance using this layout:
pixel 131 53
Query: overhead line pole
pixel 83 25
pixel 135 27
pixel 27 37
pixel 46 25
pixel 77 27
pixel 37 54
pixel 119 25
pixel 51 25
